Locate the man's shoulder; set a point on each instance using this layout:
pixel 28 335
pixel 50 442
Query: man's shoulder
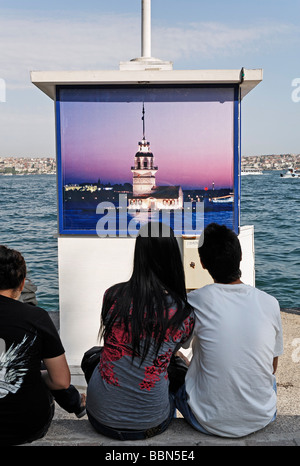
pixel 31 311
pixel 203 290
pixel 266 297
pixel 248 292
pixel 199 294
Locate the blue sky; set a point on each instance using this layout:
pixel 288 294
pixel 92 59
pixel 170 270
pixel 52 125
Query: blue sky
pixel 194 34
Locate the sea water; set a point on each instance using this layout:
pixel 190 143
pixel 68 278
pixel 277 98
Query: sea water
pixel 28 209
pixel 272 205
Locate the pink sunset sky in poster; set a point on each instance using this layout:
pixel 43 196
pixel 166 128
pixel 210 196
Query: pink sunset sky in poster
pixel 192 141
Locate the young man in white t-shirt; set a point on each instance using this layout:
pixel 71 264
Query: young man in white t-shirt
pixel 230 386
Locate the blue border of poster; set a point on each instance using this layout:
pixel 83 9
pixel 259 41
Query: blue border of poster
pixel 236 149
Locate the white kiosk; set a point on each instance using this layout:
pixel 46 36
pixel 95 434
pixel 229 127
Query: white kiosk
pixel 94 111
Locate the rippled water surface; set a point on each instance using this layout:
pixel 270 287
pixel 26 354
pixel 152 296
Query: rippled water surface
pixel 272 205
pixel 28 223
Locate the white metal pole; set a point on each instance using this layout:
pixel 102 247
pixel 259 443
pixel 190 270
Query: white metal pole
pixel 146 28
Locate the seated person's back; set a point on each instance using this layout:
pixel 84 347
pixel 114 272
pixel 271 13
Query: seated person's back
pixel 237 339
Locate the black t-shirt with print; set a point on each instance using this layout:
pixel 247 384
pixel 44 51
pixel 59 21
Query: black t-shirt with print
pixel 27 336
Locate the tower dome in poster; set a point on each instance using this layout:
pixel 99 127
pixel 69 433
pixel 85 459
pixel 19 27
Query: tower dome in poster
pixel 145 193
pixel 143 170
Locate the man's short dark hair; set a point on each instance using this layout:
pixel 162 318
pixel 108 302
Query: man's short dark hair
pixel 12 269
pixel 220 253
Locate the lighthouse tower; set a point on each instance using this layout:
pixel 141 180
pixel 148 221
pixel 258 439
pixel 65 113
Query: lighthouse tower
pixel 143 170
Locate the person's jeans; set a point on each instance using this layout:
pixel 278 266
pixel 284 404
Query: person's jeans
pixel 275 390
pixel 69 399
pixel 132 434
pixel 180 401
pixel 44 429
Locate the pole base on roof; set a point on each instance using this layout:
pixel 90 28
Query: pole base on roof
pixel 144 63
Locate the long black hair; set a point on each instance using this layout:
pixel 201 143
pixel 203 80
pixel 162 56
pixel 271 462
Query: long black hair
pixel 157 283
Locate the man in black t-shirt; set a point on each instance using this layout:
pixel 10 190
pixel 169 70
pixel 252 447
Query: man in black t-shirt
pixel 27 338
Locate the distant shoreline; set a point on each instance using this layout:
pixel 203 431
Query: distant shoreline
pixel 47 165
pixel 26 174
pixel 54 173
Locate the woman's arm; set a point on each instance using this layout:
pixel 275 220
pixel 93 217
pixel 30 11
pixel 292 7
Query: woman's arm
pixel 57 376
pixel 183 357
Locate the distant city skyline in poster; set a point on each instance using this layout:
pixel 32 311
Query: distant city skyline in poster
pixel 189 131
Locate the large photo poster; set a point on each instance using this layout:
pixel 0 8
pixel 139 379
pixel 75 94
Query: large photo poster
pixel 128 154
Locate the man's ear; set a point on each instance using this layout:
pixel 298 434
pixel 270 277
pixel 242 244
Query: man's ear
pixel 22 285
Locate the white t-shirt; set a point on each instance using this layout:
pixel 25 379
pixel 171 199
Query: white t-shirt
pixel 236 336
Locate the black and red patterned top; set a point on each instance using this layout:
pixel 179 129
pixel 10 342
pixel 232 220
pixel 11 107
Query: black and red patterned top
pixel 127 394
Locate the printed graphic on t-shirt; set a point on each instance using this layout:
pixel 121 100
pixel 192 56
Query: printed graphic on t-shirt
pixel 118 345
pixel 13 367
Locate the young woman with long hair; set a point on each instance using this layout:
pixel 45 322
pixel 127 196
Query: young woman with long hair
pixel 143 323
